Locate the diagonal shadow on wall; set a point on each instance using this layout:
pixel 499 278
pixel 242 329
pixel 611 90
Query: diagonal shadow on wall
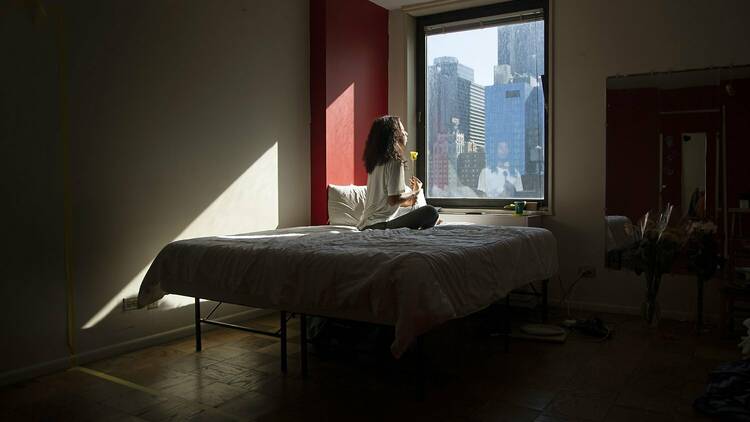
pixel 184 122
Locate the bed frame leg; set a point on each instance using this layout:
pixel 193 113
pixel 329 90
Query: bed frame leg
pixel 303 343
pixel 198 345
pixel 545 306
pixel 282 338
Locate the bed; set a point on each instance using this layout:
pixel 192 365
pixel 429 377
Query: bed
pixel 413 280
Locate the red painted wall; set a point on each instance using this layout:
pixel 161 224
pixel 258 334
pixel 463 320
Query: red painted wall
pixel 348 90
pixel 317 110
pixel 632 152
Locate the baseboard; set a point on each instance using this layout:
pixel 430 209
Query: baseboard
pixel 28 372
pixel 633 310
pixel 21 374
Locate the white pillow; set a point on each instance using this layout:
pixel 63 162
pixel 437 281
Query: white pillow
pixel 346 204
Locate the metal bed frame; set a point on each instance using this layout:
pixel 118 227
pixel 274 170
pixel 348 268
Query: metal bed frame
pixel 285 316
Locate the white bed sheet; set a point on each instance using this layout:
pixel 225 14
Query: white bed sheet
pixel 413 279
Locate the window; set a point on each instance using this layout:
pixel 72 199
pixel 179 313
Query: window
pixel 482 105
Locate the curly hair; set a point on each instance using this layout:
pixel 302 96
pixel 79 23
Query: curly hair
pixel 383 143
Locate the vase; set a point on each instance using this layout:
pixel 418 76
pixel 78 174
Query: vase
pixel 651 312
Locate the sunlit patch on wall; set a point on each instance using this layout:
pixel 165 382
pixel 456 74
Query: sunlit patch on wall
pixel 250 203
pixel 340 138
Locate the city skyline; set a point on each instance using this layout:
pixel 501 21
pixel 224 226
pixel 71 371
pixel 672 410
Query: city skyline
pixel 488 140
pixel 482 40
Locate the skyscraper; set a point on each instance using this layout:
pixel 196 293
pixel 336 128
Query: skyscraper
pixel 469 166
pixel 521 46
pixel 453 94
pixel 515 128
pixel 456 120
pixel 476 130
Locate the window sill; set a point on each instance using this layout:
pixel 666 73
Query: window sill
pixel 479 211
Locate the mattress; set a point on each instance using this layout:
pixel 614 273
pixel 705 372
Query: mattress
pixel 412 279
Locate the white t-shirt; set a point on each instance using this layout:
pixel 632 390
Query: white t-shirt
pixel 384 181
pixel 501 183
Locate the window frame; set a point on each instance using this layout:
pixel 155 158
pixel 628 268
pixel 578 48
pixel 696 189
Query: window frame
pixel 508 7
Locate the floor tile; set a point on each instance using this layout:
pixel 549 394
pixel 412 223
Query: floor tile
pixel 133 401
pixel 580 405
pixel 253 360
pixel 247 380
pixel 170 410
pixel 209 415
pixel 222 352
pixel 191 363
pixel 187 386
pixel 275 350
pixel 640 374
pixel 213 394
pixel 223 371
pixel 251 405
pixel 501 411
pixel 628 414
pixel 656 402
pixel 253 342
pixel 548 418
pixel 528 397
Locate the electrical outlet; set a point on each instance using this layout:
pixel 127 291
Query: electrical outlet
pixel 130 303
pixel 587 271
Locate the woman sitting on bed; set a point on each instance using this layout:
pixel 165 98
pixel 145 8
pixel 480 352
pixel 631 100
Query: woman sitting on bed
pixel 386 191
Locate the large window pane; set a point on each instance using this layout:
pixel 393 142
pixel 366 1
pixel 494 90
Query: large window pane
pixel 485 112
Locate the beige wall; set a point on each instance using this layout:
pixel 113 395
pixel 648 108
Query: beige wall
pixel 32 279
pixel 592 40
pixel 402 72
pixel 186 119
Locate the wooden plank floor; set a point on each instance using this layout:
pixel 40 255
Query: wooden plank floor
pixel 641 374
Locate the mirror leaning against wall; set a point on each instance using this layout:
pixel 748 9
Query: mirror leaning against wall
pixel 678 141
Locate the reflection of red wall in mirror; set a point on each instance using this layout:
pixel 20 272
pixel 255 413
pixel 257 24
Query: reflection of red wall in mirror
pixel 693 98
pixel 632 152
pixel 738 140
pixel 695 103
pixel 633 126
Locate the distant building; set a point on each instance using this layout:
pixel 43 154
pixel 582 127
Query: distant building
pixel 470 165
pixel 442 166
pixel 471 127
pixel 514 126
pixel 452 94
pixel 521 47
pixel 475 133
pixel 515 116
